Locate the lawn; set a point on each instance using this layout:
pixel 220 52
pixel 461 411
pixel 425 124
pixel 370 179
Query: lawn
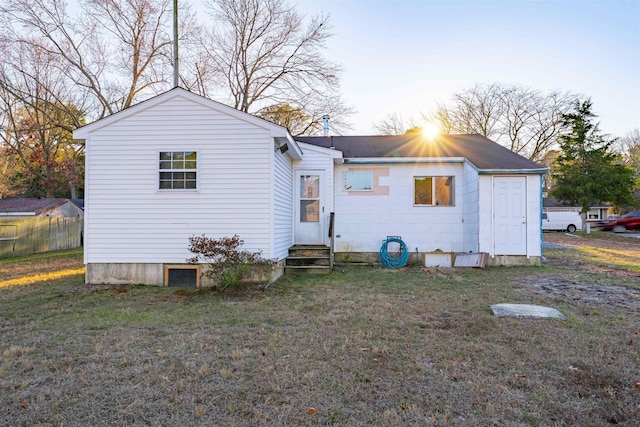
pixel 361 346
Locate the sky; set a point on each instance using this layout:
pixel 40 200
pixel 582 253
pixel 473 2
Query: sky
pixel 405 57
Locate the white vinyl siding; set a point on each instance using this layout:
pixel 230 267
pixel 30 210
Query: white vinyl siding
pixel 321 159
pixel 470 215
pixel 486 215
pixel 130 221
pixel 282 205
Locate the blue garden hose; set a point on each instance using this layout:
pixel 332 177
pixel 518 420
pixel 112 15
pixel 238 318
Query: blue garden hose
pixel 396 260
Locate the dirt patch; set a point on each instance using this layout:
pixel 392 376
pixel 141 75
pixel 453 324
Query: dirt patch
pixel 586 266
pixel 583 286
pixel 619 296
pixel 605 250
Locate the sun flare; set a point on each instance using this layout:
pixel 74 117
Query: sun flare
pixel 41 277
pixel 430 130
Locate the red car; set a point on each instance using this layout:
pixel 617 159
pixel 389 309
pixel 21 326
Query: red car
pixel 630 221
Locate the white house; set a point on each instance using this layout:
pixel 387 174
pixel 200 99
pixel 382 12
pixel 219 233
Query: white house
pixel 597 213
pixel 456 193
pixel 179 165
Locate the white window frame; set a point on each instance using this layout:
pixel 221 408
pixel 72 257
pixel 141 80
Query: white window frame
pixel 594 214
pixel 347 173
pixel 177 170
pixel 434 202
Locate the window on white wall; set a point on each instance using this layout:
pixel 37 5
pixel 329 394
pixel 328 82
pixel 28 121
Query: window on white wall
pixel 357 181
pixel 433 190
pixel 178 170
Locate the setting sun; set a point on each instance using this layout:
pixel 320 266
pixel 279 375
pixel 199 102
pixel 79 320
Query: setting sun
pixel 430 130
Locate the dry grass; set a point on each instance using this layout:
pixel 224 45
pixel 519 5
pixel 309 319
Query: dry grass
pixel 599 249
pixel 361 346
pixel 40 268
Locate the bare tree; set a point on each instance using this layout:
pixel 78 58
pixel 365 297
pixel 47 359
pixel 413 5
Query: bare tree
pixel 305 116
pixel 394 124
pixel 524 120
pixel 58 69
pixel 307 119
pixel 629 147
pixel 37 122
pixel 477 110
pixel 115 51
pixel 262 53
pixel 532 120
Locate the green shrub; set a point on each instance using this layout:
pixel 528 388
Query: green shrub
pixel 228 265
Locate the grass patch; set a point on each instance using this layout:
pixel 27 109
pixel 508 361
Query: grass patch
pixel 361 346
pixel 626 259
pixel 599 249
pixel 41 268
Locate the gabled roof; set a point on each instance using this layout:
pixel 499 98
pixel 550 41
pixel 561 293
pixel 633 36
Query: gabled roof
pixel 29 206
pixel 551 202
pixel 84 131
pixel 483 153
pixel 279 132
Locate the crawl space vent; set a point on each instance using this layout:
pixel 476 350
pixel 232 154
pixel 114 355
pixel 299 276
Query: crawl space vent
pixel 182 277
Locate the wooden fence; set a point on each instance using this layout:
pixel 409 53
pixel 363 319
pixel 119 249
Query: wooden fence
pixel 25 236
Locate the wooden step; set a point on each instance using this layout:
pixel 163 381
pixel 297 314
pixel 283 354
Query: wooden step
pixel 309 251
pixel 303 260
pixel 307 269
pixel 308 259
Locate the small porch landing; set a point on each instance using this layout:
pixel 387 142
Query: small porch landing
pixel 308 259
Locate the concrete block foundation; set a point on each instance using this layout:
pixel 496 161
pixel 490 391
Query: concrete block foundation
pixel 153 274
pixel 371 258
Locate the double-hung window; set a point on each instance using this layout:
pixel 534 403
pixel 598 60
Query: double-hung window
pixel 433 190
pixel 178 170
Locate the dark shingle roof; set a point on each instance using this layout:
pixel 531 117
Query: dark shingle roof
pixel 480 151
pixel 29 205
pixel 550 202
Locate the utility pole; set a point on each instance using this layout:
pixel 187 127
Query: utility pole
pixel 176 72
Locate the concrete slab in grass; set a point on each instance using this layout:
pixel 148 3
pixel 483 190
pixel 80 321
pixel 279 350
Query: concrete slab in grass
pixel 526 310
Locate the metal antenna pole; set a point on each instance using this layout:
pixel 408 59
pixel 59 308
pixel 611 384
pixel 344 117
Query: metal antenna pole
pixel 176 72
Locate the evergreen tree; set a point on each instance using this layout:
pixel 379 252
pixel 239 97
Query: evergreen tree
pixel 587 171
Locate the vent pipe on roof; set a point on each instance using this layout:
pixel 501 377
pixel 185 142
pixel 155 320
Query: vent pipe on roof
pixel 326 124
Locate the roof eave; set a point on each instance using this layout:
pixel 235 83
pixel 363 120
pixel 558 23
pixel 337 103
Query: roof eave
pixel 295 152
pixel 85 131
pixel 540 171
pixel 401 160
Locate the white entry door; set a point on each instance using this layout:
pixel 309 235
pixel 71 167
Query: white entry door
pixel 510 215
pixel 309 207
